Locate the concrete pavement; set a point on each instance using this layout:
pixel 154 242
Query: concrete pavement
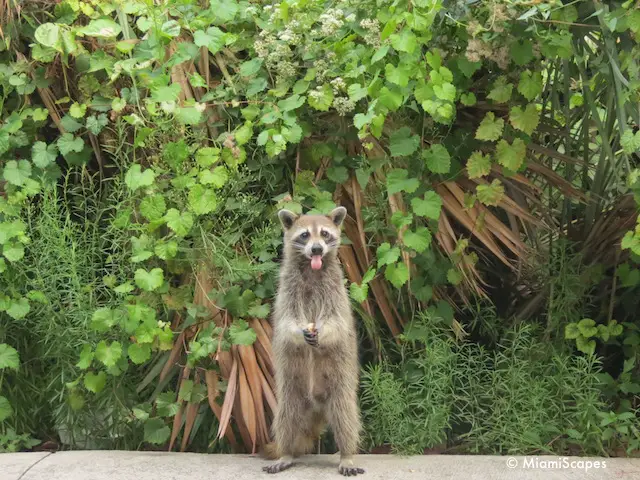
pixel 120 465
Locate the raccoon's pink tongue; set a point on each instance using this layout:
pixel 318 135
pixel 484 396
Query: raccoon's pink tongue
pixel 316 262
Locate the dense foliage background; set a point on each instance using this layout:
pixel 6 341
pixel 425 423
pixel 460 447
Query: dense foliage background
pixel 486 153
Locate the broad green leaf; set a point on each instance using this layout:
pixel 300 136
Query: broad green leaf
pixel 437 159
pixel 585 345
pixel 527 120
pixel 428 207
pixel 217 177
pixel 454 277
pixel 190 115
pixel 491 194
pixel 167 405
pixel 244 133
pixel 207 156
pixel 397 75
pixel 202 200
pixel 103 28
pixel 402 143
pixel 86 357
pixel 338 174
pixel 149 281
pixel 321 98
pixel 380 54
pixel 511 156
pixel 398 181
pixel 180 223
pixel 108 354
pixel 43 155
pixel 467 67
pixel 5 409
pixel 490 128
pixel 358 293
pixel 259 311
pixel 104 318
pixel 291 103
pixel 136 178
pixel 48 34
pixel 18 309
pixel 501 91
pixel 571 331
pixel 250 67
pixel 530 85
pixel 577 100
pixel 166 93
pixel 401 219
pixel 214 39
pixel 139 353
pixel 256 86
pixel 95 123
pixel 390 98
pixel 587 327
pixel 67 143
pixel 186 390
pixel 155 431
pixel 171 28
pixel 419 240
pixel 17 172
pixel 95 382
pixel 9 357
pixel 241 334
pixel 387 255
pixel 468 99
pixel 446 91
pixel 153 207
pixel 78 110
pixel 166 250
pixel 356 92
pixel 405 41
pixel 521 51
pixel 478 165
pixel 9 230
pixel 13 251
pixel 118 104
pixel 630 142
pixel 397 274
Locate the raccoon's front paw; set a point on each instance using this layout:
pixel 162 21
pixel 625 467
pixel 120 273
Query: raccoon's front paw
pixel 280 465
pixel 310 336
pixel 350 471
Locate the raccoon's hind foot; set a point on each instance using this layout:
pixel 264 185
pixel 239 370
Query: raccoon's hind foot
pixel 348 469
pixel 280 465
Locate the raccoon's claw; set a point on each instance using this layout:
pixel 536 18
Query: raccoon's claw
pixel 350 471
pixel 279 466
pixel 311 337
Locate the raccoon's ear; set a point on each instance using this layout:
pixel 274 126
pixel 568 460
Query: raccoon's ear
pixel 337 215
pixel 287 218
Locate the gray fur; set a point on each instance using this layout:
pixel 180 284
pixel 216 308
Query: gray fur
pixel 315 384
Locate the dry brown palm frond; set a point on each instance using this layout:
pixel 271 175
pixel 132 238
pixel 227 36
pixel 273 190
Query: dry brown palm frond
pixel 191 412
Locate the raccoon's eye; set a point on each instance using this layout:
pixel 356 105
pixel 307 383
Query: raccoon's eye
pixel 304 235
pixel 324 234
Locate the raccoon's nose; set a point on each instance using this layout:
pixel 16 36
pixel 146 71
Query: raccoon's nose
pixel 316 249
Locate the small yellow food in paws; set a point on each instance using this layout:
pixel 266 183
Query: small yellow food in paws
pixel 311 327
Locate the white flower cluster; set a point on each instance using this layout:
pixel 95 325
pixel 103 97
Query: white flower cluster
pixel 338 85
pixel 372 37
pixel 322 67
pixel 343 105
pixel 316 94
pixel 331 21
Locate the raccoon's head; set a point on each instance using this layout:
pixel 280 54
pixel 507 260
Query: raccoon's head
pixel 312 238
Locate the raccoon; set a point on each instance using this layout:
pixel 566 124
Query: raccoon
pixel 314 344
